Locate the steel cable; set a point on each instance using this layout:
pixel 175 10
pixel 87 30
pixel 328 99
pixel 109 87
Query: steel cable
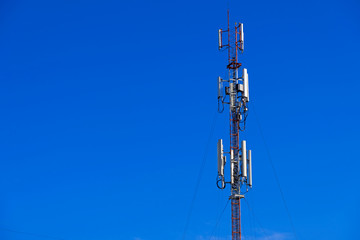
pixel 199 175
pixel 256 220
pixel 274 172
pixel 218 220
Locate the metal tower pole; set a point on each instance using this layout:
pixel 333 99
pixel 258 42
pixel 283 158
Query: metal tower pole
pixel 238 97
pixel 234 148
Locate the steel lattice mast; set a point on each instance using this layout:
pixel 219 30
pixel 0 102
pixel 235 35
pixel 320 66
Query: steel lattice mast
pixel 237 96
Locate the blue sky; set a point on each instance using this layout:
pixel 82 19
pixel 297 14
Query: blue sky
pixel 107 108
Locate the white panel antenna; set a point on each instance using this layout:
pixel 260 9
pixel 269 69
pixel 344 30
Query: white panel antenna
pixel 219 87
pixel 242 36
pixel 220 39
pixel 249 180
pixel 243 158
pixel 246 84
pixel 220 153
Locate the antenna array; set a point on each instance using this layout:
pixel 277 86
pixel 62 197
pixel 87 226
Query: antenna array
pixel 235 92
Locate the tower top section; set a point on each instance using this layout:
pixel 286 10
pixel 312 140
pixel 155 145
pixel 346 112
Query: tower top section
pixel 232 40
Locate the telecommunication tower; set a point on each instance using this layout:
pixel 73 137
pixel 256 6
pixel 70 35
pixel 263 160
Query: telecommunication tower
pixel 235 92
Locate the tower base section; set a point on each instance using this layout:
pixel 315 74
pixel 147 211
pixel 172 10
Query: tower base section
pixel 235 218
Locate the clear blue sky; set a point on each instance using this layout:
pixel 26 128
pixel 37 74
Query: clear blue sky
pixel 106 109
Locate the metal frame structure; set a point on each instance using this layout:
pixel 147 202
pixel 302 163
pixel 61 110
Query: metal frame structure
pixel 237 96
